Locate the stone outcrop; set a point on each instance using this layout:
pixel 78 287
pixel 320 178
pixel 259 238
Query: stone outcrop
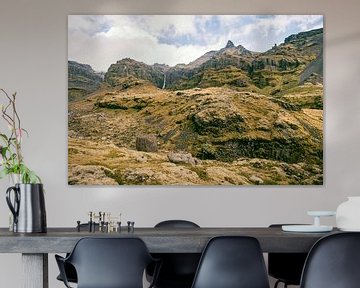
pixel 182 157
pixel 90 175
pixel 217 120
pixel 147 143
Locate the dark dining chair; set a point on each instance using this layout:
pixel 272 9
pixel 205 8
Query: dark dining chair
pixel 108 263
pixel 333 262
pixel 178 269
pixel 232 262
pixel 70 271
pixel 286 267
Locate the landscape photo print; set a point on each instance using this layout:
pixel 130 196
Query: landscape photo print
pixel 195 99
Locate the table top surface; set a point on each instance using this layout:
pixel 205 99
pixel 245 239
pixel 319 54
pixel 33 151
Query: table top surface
pixel 158 240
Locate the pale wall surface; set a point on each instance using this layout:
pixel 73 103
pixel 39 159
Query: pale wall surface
pixel 33 62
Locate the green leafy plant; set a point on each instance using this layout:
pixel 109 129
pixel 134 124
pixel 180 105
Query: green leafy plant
pixel 11 158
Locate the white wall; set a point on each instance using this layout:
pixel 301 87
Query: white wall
pixel 33 62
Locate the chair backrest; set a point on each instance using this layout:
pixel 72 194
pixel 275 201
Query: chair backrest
pixel 178 269
pixel 110 262
pixel 333 262
pixel 286 267
pixel 176 224
pixel 232 262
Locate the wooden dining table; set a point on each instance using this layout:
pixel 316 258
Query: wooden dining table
pixel 35 247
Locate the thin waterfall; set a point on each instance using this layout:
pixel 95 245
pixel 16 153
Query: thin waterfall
pixel 163 87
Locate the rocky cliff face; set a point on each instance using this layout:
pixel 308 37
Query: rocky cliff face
pixel 180 76
pixel 314 71
pixel 307 43
pixel 248 68
pixel 129 67
pixel 82 80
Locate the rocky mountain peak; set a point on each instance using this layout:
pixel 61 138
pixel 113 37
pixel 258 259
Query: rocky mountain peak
pixel 82 80
pixel 243 50
pixel 230 44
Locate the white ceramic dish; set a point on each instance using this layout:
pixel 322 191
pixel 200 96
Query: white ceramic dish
pixel 321 213
pixel 306 228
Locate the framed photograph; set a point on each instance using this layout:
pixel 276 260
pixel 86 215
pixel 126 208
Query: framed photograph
pixel 195 99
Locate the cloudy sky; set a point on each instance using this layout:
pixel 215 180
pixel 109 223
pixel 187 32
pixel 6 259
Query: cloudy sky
pixel 100 40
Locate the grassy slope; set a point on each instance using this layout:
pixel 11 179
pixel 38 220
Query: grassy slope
pixel 104 128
